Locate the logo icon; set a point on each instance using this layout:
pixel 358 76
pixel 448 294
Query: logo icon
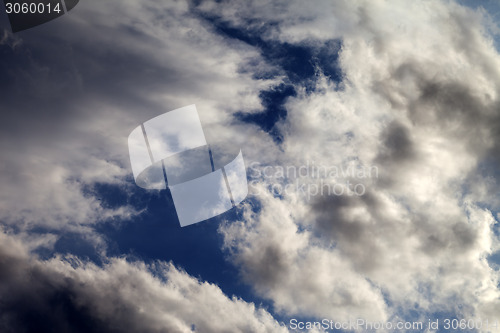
pixel 171 151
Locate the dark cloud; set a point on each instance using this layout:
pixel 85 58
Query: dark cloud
pixel 38 299
pixel 439 237
pixel 397 145
pixel 267 267
pixel 66 295
pixel 355 235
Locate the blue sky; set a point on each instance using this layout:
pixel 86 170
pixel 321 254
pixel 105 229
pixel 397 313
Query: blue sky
pixel 410 89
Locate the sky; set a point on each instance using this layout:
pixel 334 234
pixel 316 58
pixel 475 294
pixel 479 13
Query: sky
pixel 369 130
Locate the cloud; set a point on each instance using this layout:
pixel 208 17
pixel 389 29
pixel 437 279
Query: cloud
pixel 67 295
pixel 284 265
pixel 417 102
pixel 418 99
pixel 75 89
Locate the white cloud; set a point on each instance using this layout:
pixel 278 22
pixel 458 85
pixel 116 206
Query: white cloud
pixel 418 100
pixel 301 277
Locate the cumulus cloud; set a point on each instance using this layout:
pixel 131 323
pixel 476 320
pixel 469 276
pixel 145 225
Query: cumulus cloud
pixel 302 278
pixel 418 101
pixel 67 295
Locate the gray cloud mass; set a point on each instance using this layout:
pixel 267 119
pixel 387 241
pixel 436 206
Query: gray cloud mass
pixel 67 295
pixel 418 99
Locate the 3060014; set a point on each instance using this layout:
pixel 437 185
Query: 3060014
pixel 32 8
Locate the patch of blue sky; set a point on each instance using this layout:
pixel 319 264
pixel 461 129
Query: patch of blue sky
pixel 299 63
pixel 488 169
pixel 492 7
pixel 157 235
